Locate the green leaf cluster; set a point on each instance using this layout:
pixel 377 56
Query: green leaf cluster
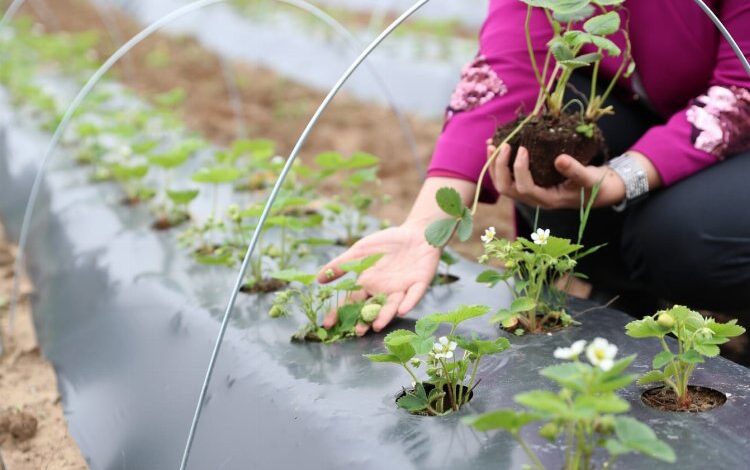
pixel 585 412
pixel 698 338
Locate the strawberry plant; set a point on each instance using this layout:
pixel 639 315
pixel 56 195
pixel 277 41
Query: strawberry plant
pixel 698 338
pixel 586 414
pixel 451 361
pixel 314 301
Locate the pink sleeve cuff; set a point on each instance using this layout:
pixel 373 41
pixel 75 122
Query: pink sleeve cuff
pixel 460 160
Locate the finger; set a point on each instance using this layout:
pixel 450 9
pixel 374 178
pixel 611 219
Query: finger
pixel 333 315
pixel 503 179
pixel 388 311
pixel 331 271
pixel 361 329
pixel 524 181
pixel 412 298
pixel 574 171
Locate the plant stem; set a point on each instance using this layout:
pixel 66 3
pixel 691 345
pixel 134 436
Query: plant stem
pixel 530 48
pixel 534 459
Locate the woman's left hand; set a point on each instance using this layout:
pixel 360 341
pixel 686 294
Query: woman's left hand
pixel 520 185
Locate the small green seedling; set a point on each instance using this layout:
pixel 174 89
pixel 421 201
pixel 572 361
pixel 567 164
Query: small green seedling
pixel 585 413
pixel 315 301
pixel 698 338
pixel 451 375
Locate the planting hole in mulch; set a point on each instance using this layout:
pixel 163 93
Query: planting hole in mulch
pixel 265 286
pixel 428 387
pixel 163 223
pixel 703 399
pixel 442 279
pixel 546 138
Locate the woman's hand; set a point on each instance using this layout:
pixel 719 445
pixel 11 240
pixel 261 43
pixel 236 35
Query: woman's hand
pixel 521 187
pixel 403 274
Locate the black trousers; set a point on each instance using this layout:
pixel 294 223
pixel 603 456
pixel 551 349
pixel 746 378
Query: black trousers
pixel 687 244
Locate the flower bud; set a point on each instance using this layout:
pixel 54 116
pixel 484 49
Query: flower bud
pixel 605 425
pixel 415 362
pixel 665 319
pixel 370 312
pixel 276 312
pixel 510 264
pixel 550 431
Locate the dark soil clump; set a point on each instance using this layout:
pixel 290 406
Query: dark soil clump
pixel 19 424
pixel 546 138
pixel 702 399
pixel 266 286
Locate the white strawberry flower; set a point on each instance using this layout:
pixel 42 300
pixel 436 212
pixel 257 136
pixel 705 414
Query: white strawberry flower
pixel 444 348
pixel 571 352
pixel 541 236
pixel 601 353
pixel 489 235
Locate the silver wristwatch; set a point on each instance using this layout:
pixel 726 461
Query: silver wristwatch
pixel 634 177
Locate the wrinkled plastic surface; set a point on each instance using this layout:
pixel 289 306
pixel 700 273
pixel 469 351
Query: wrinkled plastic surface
pixel 128 320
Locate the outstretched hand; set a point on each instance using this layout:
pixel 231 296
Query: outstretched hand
pixel 520 185
pixel 402 275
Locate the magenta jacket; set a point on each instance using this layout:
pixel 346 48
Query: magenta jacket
pixel 688 72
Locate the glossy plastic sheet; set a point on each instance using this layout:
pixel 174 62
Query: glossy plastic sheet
pixel 128 320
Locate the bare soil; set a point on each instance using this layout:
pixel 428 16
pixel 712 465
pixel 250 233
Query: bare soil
pixel 33 431
pixel 546 138
pixel 702 399
pixel 273 107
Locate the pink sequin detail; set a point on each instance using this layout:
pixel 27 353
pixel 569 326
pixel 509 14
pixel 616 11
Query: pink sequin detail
pixel 479 84
pixel 721 121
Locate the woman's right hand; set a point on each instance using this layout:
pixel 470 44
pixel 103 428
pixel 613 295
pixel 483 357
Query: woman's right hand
pixel 403 274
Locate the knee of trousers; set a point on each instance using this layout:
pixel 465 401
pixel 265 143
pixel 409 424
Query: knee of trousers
pixel 683 259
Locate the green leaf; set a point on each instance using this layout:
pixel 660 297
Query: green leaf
pixel 348 315
pixel 360 160
pixel 567 374
pixel 508 420
pixel 399 344
pixel 727 330
pixel 490 277
pixel 603 25
pixel 575 16
pixel 329 160
pixel 606 3
pixel 708 350
pixel 414 401
pixel 638 437
pixel 128 172
pixel 606 45
pixel 169 160
pixel 694 357
pixel 216 175
pixel 651 377
pixel 439 233
pixel 646 328
pixel 465 226
pixel 426 327
pixel 662 359
pixel 361 265
pixel 522 304
pixel 182 197
pixel 544 401
pixel 383 358
pixel 461 314
pixel 450 202
pixel 609 403
pixel 483 347
pixel 294 275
